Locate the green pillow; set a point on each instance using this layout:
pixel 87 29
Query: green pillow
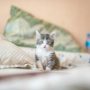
pixel 20 29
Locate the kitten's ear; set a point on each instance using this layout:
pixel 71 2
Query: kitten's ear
pixel 38 35
pixel 53 35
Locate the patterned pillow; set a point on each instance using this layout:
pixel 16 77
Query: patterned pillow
pixel 13 56
pixel 20 29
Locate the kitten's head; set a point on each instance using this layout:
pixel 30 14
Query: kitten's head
pixel 45 41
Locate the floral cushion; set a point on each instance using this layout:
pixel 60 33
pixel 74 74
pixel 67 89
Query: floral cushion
pixel 20 29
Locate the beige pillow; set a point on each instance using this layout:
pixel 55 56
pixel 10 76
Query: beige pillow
pixel 12 56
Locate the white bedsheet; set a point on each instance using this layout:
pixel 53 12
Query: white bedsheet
pixel 72 79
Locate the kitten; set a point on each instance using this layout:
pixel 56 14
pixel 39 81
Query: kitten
pixel 45 56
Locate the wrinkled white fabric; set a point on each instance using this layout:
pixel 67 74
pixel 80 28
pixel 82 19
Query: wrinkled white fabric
pixel 12 55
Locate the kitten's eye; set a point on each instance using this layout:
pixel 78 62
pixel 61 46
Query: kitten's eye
pixel 40 41
pixel 50 42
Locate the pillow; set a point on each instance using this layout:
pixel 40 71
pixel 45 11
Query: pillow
pixel 20 29
pixel 12 56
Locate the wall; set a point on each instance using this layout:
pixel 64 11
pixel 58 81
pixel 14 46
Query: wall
pixel 74 15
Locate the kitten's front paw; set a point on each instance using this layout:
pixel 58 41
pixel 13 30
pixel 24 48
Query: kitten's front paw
pixel 48 69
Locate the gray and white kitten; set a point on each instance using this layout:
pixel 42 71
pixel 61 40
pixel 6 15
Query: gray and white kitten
pixel 45 56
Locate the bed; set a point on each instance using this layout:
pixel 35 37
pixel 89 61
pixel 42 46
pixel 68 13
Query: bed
pixel 75 77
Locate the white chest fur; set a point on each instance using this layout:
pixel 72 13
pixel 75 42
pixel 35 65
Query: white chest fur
pixel 43 54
